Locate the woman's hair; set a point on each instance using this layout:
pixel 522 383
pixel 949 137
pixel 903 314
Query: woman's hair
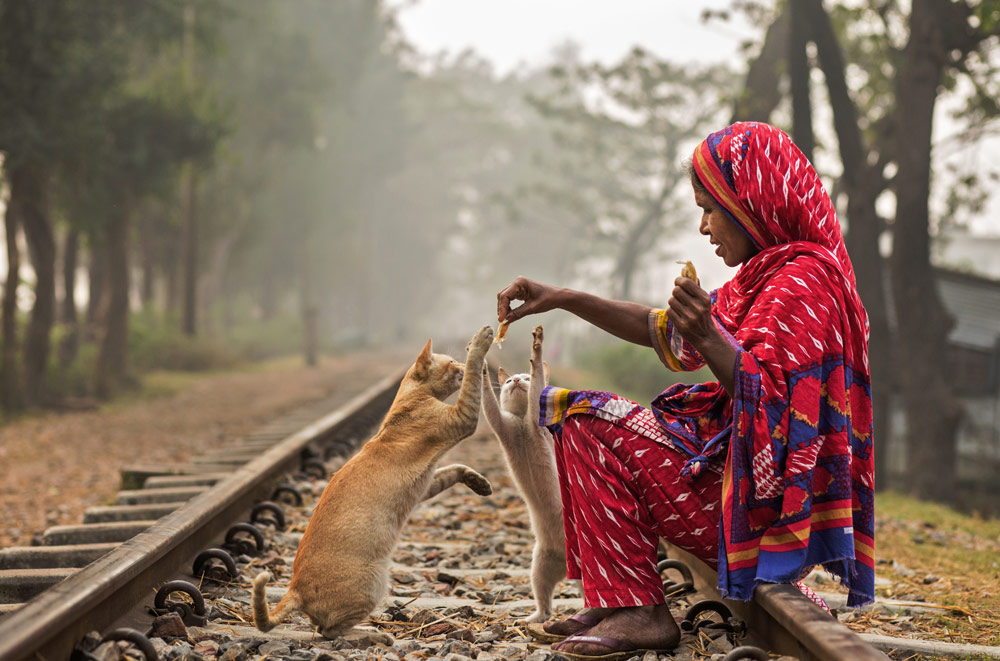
pixel 695 179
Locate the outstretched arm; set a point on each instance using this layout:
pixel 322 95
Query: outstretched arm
pixel 628 321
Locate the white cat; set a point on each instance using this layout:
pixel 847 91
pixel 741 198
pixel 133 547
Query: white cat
pixel 531 458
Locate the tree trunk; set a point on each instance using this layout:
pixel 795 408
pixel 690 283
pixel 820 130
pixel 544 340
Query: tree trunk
pixel 215 273
pixel 798 75
pixel 636 242
pixel 761 94
pixel 932 412
pixel 28 184
pixel 71 341
pixel 10 384
pixel 190 310
pixel 169 254
pixel 147 247
pixel 97 277
pixel 112 354
pixel 864 225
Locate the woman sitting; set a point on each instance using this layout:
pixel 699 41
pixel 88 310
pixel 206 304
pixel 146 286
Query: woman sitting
pixel 762 474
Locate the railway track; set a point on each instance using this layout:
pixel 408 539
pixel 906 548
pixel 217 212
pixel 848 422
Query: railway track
pixel 460 573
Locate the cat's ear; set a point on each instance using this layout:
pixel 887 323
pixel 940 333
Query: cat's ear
pixel 545 372
pixel 502 375
pixel 423 364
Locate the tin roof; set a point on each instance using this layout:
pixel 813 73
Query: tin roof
pixel 975 303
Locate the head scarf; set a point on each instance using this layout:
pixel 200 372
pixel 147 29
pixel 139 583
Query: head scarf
pixel 798 482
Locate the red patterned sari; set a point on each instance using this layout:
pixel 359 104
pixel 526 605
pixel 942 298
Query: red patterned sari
pixel 796 438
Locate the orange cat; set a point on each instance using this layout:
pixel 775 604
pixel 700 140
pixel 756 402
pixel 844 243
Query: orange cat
pixel 341 569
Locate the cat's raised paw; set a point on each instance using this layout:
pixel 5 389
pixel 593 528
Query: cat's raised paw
pixel 538 336
pixel 479 484
pixel 482 339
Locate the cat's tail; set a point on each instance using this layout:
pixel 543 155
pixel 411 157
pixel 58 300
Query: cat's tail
pixel 262 619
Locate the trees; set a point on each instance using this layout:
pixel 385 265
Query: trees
pixel 620 132
pixel 68 118
pixel 942 36
pixel 884 126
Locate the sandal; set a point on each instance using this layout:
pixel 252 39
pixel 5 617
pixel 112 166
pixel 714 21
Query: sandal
pixel 619 649
pixel 537 631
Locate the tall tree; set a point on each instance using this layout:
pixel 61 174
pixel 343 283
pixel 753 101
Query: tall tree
pixel 862 182
pixel 10 395
pixel 942 35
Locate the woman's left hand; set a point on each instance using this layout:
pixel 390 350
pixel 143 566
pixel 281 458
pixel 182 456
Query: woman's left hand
pixel 690 308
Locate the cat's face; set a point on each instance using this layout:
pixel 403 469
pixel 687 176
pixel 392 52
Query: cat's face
pixel 439 374
pixel 514 392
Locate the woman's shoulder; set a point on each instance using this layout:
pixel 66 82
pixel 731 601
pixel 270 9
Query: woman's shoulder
pixel 802 271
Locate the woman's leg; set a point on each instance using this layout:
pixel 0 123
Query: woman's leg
pixel 621 492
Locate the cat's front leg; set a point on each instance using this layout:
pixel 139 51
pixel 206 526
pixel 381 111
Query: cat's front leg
pixel 539 375
pixel 465 413
pixel 455 473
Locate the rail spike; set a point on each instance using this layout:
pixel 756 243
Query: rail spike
pixel 671 588
pixel 290 490
pixel 238 539
pixel 193 614
pixel 269 513
pixel 136 638
pixel 214 565
pixel 747 652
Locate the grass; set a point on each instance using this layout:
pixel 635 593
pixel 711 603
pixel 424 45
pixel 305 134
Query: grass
pixel 164 383
pixel 918 541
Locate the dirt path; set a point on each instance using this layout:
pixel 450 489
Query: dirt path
pixel 53 466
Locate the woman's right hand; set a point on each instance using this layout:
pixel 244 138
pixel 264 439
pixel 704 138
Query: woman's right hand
pixel 536 296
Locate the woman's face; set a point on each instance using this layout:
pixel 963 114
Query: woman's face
pixel 732 243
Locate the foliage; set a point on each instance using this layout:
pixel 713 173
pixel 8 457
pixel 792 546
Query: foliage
pixel 620 132
pixel 155 346
pixel 633 371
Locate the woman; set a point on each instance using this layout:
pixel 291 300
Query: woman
pixel 766 472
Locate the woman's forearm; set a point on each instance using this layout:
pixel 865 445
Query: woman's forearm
pixel 720 357
pixel 623 319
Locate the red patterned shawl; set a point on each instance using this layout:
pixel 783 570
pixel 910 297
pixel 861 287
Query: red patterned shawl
pixel 798 482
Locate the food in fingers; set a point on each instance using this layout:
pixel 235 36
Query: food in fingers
pixel 501 333
pixel 687 271
pixel 676 342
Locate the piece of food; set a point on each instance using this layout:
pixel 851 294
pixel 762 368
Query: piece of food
pixel 688 271
pixel 501 332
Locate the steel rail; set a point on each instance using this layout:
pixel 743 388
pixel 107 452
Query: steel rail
pixel 48 626
pixel 784 620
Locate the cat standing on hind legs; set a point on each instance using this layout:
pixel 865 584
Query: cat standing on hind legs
pixel 531 458
pixel 341 569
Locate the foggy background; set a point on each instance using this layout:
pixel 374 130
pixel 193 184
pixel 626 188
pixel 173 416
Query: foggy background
pixel 192 185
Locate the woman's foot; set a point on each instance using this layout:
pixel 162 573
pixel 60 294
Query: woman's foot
pixel 577 622
pixel 638 627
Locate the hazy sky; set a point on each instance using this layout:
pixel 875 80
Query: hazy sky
pixel 508 32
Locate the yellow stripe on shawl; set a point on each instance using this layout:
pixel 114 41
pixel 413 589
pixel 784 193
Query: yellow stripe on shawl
pixel 721 192
pixel 555 405
pixel 659 322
